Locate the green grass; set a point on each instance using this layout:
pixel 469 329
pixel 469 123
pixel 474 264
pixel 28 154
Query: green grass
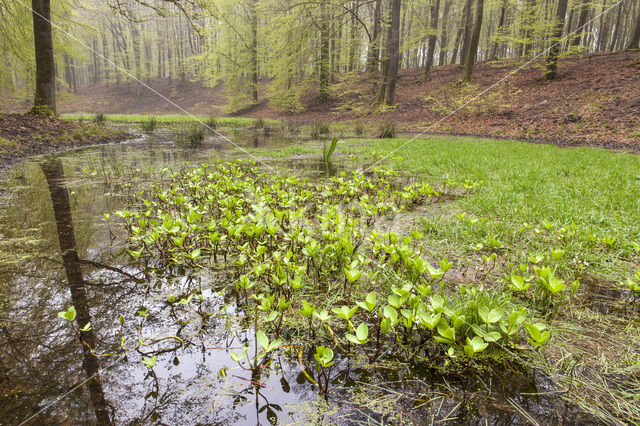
pixel 594 192
pixel 535 198
pixel 165 119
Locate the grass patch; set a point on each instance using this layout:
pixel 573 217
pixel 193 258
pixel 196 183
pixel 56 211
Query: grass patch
pixel 166 119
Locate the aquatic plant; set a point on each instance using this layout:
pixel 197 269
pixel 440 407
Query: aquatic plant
pixel 319 129
pixel 212 123
pixel 149 125
pixel 386 130
pixel 192 134
pixel 327 152
pixel 305 261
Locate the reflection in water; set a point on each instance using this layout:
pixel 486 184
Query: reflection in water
pixel 54 174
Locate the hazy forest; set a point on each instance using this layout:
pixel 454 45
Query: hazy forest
pixel 239 212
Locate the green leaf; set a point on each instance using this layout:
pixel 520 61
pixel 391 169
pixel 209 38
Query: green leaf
pixel 518 283
pixel 391 313
pixel 322 315
pixel 262 339
pixel 69 314
pixel 493 336
pixel 557 254
pixel 490 316
pixel 362 332
pixel 434 272
pixel 352 274
pixel 537 333
pixel 274 345
pixel 447 334
pixel 344 312
pixel 150 362
pixel 430 321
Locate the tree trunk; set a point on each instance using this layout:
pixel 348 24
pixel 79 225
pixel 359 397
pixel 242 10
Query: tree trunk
pixel 435 11
pixel 552 60
pixel 44 101
pixel 324 55
pixel 582 20
pixel 254 51
pixel 468 22
pixel 385 58
pixel 374 46
pixel 470 58
pixel 494 49
pixel 529 21
pixel 443 37
pixel 456 48
pixel 393 52
pixel 635 37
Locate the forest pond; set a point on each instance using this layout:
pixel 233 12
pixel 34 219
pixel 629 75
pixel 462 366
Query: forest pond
pixel 58 249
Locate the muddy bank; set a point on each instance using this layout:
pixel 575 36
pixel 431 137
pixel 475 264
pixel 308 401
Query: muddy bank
pixel 26 135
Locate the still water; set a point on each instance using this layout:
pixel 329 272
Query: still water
pixel 57 249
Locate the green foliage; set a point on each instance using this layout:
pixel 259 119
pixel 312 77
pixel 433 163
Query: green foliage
pixel 327 152
pixel 42 111
pixel 149 125
pixel 99 118
pixel 293 242
pixel 69 314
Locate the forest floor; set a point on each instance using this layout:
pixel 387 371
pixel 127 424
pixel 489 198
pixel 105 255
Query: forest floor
pixel 26 135
pixel 595 101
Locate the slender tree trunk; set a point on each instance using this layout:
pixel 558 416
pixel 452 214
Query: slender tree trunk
pixel 615 39
pixel 468 23
pixel 44 101
pixel 394 52
pixel 635 37
pixel 385 58
pixel 602 39
pixel 254 51
pixel 435 11
pixel 67 71
pixel 499 30
pixel 456 48
pixel 324 55
pixel 582 20
pixel 470 58
pixel 529 21
pixel 96 63
pixel 105 54
pixel 552 59
pixel 443 37
pixel 374 46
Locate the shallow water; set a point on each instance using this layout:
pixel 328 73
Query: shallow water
pixel 47 376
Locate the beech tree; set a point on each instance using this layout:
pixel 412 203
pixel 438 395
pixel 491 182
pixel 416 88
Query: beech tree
pixel 284 51
pixel 470 57
pixel 44 101
pixel 552 59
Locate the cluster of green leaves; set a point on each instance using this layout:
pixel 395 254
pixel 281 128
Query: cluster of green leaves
pixel 308 261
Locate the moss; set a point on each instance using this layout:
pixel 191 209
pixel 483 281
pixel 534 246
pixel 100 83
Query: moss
pixel 6 143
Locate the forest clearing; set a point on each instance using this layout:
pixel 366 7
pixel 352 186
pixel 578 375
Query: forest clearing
pixel 400 212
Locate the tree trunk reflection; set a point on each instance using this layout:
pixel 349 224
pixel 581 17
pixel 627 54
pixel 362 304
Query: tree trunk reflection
pixel 54 174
